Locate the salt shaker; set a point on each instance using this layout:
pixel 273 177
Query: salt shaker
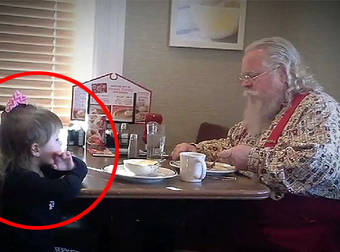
pixel 133 146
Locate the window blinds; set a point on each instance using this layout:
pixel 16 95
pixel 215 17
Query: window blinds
pixel 38 36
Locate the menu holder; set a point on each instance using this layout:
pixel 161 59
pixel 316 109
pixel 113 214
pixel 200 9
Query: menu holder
pixel 127 102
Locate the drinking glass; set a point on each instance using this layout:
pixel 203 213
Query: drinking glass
pixel 155 140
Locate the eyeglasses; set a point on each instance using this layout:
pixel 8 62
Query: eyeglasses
pixel 253 76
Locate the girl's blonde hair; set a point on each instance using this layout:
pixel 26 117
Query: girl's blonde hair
pixel 22 127
pixel 281 52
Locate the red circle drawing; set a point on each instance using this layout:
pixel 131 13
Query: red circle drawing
pixel 109 183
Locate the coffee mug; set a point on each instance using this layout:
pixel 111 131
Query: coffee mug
pixel 192 166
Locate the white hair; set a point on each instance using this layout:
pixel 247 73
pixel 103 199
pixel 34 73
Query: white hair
pixel 281 52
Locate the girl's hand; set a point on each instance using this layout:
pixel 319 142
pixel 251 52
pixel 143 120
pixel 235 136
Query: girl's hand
pixel 63 162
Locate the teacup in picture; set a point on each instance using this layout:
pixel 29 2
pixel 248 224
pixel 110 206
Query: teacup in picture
pixel 217 24
pixel 192 166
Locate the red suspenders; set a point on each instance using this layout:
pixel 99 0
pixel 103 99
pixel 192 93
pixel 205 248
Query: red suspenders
pixel 276 133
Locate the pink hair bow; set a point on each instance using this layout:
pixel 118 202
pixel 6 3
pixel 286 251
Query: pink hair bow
pixel 17 99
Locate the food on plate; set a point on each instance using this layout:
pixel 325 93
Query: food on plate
pixel 219 166
pixel 143 162
pixel 141 167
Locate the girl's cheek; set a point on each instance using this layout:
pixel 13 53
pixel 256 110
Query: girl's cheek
pixel 55 155
pixel 62 148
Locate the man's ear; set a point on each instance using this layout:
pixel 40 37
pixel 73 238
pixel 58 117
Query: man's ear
pixel 35 150
pixel 283 74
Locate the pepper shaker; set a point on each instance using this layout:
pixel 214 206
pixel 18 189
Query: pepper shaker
pixel 133 146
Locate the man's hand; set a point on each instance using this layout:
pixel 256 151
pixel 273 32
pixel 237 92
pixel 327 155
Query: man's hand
pixel 63 162
pixel 181 148
pixel 237 156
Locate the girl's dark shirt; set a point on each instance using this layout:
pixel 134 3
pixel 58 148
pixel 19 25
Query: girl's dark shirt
pixel 33 200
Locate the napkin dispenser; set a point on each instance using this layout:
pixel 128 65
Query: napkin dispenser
pixel 75 137
pixel 123 137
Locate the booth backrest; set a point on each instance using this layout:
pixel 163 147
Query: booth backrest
pixel 208 131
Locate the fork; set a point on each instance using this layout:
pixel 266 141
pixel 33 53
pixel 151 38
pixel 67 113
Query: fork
pixel 213 163
pixel 215 159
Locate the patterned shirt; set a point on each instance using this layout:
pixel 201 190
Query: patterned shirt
pixel 305 159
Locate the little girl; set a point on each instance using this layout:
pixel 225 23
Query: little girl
pixel 37 175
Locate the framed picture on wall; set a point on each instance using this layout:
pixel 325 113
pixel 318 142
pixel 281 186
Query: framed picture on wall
pixel 216 24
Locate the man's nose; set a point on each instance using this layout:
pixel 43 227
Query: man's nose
pixel 246 83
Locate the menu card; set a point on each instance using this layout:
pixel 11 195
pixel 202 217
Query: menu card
pixel 79 104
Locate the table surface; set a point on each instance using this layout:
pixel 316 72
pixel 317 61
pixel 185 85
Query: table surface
pixel 234 186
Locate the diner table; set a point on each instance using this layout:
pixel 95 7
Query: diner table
pixel 172 215
pixel 161 216
pixel 231 186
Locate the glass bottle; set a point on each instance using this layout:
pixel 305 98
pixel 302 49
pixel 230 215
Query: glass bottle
pixel 133 146
pixel 124 136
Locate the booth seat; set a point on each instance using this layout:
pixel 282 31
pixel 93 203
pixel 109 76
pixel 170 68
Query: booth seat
pixel 294 223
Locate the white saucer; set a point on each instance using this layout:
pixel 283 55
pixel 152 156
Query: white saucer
pixel 159 175
pixel 212 171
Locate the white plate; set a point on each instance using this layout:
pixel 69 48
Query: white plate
pixel 162 173
pixel 220 168
pixel 213 171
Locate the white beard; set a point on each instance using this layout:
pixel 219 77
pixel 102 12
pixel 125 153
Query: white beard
pixel 260 110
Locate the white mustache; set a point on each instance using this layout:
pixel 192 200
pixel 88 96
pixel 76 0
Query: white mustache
pixel 250 93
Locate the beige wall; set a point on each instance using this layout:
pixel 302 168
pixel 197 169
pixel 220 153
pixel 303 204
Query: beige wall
pixel 192 85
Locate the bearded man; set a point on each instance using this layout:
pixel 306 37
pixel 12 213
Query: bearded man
pixel 290 135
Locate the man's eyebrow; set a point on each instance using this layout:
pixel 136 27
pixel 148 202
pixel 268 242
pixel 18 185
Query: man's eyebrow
pixel 251 72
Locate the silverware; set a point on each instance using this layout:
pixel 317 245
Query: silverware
pixel 224 178
pixel 214 161
pixel 229 178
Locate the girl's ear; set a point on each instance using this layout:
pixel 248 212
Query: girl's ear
pixel 35 149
